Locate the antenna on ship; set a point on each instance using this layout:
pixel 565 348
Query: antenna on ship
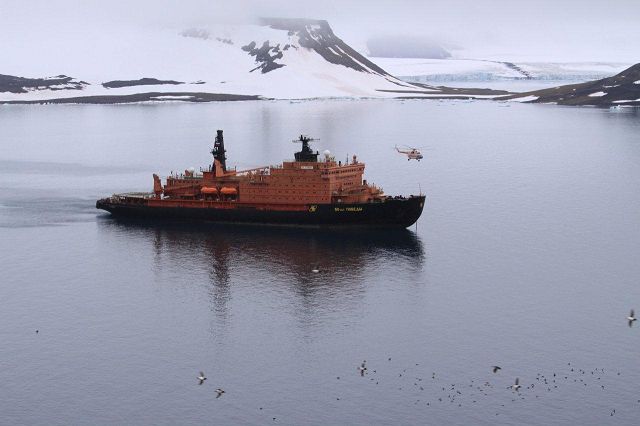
pixel 218 151
pixel 306 154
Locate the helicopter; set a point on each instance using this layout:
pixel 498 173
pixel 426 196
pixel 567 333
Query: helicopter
pixel 411 153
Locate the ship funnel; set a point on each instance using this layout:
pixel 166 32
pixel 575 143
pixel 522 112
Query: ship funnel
pixel 218 151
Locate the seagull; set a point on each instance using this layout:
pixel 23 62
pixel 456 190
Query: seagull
pixel 631 318
pixel 219 392
pixel 202 378
pixel 516 385
pixel 496 368
pixel 362 368
pixel 315 270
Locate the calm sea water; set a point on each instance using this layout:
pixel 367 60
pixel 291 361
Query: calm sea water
pixel 527 256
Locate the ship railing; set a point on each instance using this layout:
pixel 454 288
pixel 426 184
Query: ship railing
pixel 196 176
pixel 124 196
pixel 260 171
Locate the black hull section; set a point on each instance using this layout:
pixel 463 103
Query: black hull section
pixel 398 213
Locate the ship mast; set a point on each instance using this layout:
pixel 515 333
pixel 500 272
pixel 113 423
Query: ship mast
pixel 305 154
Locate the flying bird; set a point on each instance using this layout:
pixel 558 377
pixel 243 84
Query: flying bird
pixel 201 378
pixel 516 385
pixel 631 318
pixel 219 391
pixel 495 368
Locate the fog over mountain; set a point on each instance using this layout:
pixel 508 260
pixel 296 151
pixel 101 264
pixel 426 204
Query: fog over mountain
pixel 571 30
pixel 406 47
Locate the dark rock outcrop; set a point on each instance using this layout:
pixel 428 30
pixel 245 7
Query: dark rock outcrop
pixel 317 35
pixel 140 82
pixel 621 89
pixel 13 84
pixel 266 56
pixel 144 97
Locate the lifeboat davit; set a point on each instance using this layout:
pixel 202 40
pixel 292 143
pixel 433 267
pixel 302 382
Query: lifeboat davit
pixel 226 190
pixel 208 190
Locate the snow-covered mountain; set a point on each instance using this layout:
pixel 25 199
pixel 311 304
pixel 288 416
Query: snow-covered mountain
pixel 274 58
pixel 271 59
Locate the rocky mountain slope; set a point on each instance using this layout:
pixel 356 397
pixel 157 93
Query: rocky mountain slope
pixel 622 89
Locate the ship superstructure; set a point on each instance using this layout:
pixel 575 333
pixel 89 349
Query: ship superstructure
pixel 301 191
pixel 306 179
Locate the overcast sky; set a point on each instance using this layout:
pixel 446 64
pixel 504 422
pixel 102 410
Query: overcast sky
pixel 571 29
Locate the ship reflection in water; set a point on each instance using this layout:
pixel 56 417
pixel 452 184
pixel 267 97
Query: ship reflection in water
pixel 311 266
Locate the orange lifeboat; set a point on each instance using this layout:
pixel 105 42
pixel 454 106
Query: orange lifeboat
pixel 227 190
pixel 208 190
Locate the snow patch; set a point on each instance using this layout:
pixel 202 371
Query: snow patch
pixel 529 98
pixel 173 97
